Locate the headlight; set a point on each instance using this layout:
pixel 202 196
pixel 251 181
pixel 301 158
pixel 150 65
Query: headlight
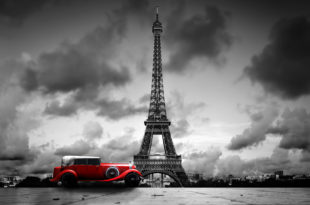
pixel 130 165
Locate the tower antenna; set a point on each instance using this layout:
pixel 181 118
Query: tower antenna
pixel 157 8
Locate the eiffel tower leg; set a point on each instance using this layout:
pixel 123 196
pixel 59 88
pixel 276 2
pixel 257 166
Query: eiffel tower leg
pixel 146 142
pixel 152 180
pixel 168 143
pixel 183 177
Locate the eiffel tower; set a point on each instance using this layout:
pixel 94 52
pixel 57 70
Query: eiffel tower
pixel 157 123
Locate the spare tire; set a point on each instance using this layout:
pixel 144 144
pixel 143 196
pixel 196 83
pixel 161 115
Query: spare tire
pixel 111 172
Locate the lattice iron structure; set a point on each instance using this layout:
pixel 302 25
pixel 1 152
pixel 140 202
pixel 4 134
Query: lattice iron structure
pixel 157 123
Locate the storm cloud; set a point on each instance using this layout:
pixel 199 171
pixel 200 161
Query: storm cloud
pixel 14 125
pixel 201 35
pixel 82 70
pixel 14 12
pixel 109 108
pixel 279 160
pixel 282 68
pixel 87 60
pixel 256 133
pixel 294 129
pixel 78 66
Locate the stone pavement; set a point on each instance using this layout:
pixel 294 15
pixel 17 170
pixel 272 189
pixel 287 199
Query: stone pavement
pixel 149 196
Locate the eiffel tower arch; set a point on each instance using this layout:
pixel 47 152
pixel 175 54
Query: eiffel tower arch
pixel 157 123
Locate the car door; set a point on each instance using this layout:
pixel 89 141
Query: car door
pixel 93 169
pixel 81 168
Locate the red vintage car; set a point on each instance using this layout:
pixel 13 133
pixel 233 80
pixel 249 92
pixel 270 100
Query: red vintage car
pixel 87 168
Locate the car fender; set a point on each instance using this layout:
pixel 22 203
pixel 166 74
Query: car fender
pixel 119 177
pixel 122 175
pixel 58 177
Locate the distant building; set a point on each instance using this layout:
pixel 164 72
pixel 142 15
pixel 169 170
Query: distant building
pixel 278 174
pixel 10 181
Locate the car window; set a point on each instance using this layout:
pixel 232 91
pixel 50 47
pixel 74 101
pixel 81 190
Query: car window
pixel 66 162
pixel 93 161
pixel 80 161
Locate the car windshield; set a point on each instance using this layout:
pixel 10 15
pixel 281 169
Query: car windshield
pixel 66 161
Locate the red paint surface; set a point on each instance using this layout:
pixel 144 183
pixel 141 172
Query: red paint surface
pixel 93 172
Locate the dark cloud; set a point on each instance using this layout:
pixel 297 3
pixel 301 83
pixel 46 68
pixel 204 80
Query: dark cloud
pixel 112 109
pixel 279 160
pixel 137 8
pixel 29 80
pixel 14 12
pixel 14 124
pixel 82 70
pixel 260 125
pixel 198 36
pixel 283 66
pixel 14 127
pixel 78 66
pixel 294 128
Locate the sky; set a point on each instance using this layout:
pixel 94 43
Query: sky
pixel 75 79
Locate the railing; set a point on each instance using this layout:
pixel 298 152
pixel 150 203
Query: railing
pixel 157 161
pixel 149 157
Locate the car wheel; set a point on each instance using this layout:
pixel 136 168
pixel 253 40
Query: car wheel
pixel 68 180
pixel 132 180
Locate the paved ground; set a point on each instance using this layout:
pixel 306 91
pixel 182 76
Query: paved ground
pixel 149 196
